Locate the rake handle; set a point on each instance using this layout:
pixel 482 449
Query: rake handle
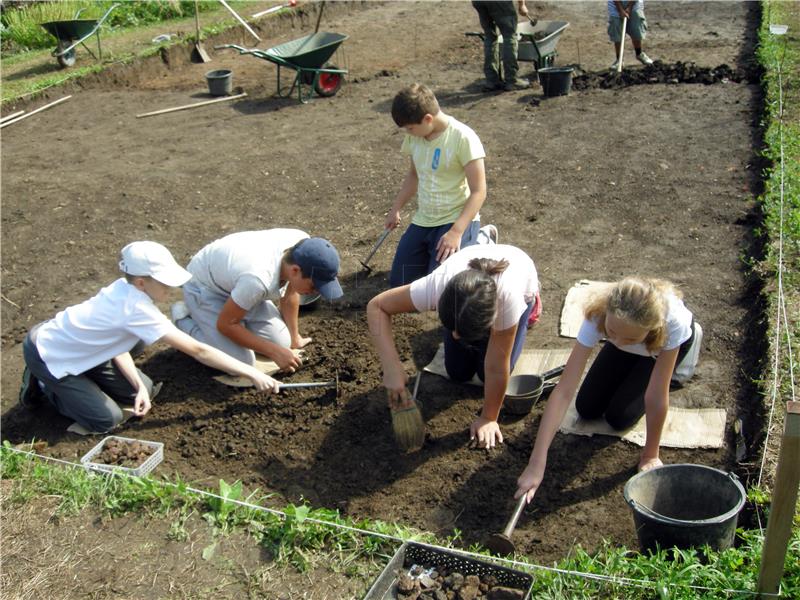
pixel 377 245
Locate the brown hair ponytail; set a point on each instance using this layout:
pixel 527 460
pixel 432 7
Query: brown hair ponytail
pixel 468 304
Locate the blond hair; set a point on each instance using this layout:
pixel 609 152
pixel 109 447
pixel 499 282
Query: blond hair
pixel 639 301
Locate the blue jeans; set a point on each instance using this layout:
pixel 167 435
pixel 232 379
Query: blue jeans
pixel 462 361
pixel 415 256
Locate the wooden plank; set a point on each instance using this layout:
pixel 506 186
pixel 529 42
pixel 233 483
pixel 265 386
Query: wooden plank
pixel 33 112
pixel 188 106
pixel 784 501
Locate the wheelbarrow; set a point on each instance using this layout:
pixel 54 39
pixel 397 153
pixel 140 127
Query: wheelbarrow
pixel 71 33
pixel 307 57
pixel 537 41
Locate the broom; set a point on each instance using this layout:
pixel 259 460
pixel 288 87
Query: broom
pixel 407 423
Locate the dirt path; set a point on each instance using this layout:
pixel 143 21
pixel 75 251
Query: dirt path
pixel 653 179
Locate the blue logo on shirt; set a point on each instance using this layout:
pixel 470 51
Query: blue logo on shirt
pixel 436 156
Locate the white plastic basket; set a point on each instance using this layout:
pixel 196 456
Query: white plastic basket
pixel 148 465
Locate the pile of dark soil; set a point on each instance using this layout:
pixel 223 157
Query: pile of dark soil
pixel 660 72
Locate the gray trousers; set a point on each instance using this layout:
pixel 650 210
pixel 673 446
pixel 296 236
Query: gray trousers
pixel 500 16
pixel 204 305
pixel 89 398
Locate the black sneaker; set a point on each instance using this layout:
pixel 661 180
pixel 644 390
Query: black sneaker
pixel 30 394
pixel 492 87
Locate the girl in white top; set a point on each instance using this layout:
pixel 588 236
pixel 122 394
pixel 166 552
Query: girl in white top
pixel 484 295
pixel 648 331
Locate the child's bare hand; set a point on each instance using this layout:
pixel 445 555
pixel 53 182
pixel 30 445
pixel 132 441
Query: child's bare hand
pixel 529 481
pixel 264 383
pixel 449 244
pixel 141 404
pixel 485 433
pixel 287 360
pixel 392 220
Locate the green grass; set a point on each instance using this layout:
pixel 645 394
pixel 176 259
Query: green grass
pixel 305 538
pixel 780 205
pixel 21 29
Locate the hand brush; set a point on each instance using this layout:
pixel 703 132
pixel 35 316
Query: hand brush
pixel 408 425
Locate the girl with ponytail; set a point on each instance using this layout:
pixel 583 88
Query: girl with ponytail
pixel 484 295
pixel 651 341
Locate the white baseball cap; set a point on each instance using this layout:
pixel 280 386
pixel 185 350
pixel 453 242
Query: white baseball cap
pixel 151 259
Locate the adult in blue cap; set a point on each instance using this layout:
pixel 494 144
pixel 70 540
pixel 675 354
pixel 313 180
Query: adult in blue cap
pixel 245 292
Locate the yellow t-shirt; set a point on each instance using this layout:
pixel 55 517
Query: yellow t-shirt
pixel 442 190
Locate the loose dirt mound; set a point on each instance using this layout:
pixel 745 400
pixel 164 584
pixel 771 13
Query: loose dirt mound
pixel 660 72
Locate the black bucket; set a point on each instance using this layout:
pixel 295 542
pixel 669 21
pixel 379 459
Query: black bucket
pixel 555 81
pixel 685 505
pixel 219 82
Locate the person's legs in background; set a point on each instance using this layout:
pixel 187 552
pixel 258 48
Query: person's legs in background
pixel 504 15
pixel 412 257
pixel 491 64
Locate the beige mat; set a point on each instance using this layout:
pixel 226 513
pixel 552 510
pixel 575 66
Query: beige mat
pixel 263 364
pixel 684 428
pixel 533 362
pixel 574 303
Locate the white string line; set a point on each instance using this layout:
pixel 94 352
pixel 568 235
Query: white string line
pixel 607 578
pixel 781 302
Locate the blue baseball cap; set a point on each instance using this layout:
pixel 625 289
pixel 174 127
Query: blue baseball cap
pixel 318 258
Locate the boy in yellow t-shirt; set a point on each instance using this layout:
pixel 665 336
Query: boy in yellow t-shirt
pixel 446 173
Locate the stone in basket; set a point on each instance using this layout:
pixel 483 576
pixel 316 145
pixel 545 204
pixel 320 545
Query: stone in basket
pixel 126 455
pixel 419 570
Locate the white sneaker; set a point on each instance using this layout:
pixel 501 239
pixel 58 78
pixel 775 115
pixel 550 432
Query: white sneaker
pixel 488 235
pixel 644 59
pixel 614 65
pixel 179 311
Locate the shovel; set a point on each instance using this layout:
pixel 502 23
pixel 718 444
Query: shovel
pixel 199 53
pixel 500 543
pixel 622 44
pixel 381 239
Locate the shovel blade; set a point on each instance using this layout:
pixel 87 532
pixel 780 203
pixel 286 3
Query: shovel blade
pixel 199 54
pixel 500 544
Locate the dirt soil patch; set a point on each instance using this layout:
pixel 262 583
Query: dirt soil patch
pixel 651 179
pixel 61 557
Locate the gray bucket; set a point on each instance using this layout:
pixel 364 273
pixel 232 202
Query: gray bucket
pixel 555 81
pixel 684 505
pixel 219 82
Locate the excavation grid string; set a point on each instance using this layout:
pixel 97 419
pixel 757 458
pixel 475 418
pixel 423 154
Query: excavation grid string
pixel 781 303
pixel 513 563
